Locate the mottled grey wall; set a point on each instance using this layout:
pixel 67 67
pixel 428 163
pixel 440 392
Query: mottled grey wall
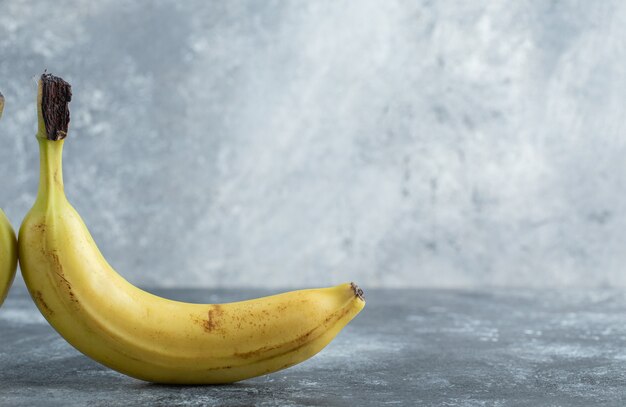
pixel 276 143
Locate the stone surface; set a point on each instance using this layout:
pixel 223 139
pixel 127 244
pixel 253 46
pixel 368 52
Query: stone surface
pixel 276 143
pixel 408 347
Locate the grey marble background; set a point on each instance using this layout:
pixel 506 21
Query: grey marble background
pixel 275 143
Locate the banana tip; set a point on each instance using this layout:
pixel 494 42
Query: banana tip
pixel 357 291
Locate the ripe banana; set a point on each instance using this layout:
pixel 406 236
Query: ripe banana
pixel 137 333
pixel 8 246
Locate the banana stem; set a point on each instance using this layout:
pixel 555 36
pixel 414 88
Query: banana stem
pixel 50 171
pixel 1 104
pixel 53 98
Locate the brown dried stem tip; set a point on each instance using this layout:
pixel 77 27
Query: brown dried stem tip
pixel 1 104
pixel 357 291
pixel 56 95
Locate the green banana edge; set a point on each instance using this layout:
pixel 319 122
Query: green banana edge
pixel 8 246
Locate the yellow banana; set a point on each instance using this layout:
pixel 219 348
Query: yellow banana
pixel 137 333
pixel 8 246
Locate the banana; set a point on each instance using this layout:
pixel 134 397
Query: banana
pixel 8 246
pixel 142 335
pixel 8 256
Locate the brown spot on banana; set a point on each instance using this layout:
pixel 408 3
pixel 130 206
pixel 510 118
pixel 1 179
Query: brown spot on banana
pixel 58 268
pixel 39 227
pixel 42 304
pixel 72 297
pixel 62 282
pixel 213 320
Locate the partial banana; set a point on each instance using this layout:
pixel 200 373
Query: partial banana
pixel 8 246
pixel 137 333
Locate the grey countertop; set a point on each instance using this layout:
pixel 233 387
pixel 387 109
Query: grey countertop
pixel 408 347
